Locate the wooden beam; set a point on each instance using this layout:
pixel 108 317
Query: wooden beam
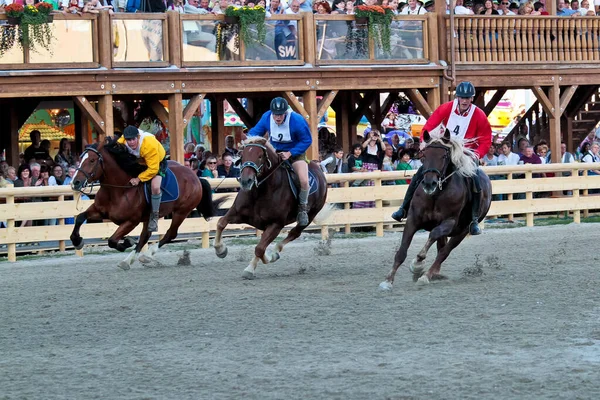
pixel 388 102
pixel 419 101
pixel 433 97
pixel 544 100
pixel 90 112
pixel 295 104
pixel 569 139
pixel 105 108
pixel 582 98
pixel 241 111
pixel 342 122
pixel 554 97
pixel 489 107
pixel 325 103
pixel 566 98
pixel 191 108
pixel 218 125
pixel 363 105
pixel 310 102
pixel 176 127
pixel 160 111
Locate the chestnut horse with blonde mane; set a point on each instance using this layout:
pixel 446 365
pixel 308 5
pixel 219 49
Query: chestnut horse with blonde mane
pixel 441 204
pixel 267 202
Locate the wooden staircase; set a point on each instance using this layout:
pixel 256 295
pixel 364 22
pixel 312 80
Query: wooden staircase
pixel 587 117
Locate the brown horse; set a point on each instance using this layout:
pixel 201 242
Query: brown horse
pixel 441 205
pixel 112 166
pixel 266 201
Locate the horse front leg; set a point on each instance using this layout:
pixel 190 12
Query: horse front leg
pixel 113 242
pixel 443 253
pixel 91 213
pixel 407 236
pixel 439 232
pixel 259 251
pixel 220 247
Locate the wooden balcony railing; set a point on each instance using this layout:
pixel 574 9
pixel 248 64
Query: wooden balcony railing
pixel 521 39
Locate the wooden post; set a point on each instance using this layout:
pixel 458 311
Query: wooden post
pixel 577 212
pixel 342 122
pixel 104 40
pixel 174 38
pixel 432 44
pixel 61 221
pixel 217 116
pixel 554 96
pixel 569 139
pixel 14 136
pixel 105 109
pixel 529 196
pixel 379 206
pixel 310 41
pixel 205 240
pixel 176 127
pixel 433 97
pixel 10 227
pixel 509 197
pixel 347 227
pixel 310 105
pixel 586 212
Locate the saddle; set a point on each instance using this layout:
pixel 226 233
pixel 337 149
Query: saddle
pixel 169 187
pixel 295 182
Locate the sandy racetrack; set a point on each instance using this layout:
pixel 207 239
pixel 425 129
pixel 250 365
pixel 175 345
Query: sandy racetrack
pixel 310 326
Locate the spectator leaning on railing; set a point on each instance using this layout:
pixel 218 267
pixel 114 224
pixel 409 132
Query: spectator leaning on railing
pixel 562 10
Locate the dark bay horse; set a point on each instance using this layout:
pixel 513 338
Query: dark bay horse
pixel 112 166
pixel 441 205
pixel 266 201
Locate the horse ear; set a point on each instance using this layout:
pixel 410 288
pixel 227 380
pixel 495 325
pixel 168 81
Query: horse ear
pixel 426 137
pixel 446 137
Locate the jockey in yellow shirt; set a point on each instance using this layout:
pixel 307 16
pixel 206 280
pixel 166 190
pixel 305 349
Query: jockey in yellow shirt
pixel 146 147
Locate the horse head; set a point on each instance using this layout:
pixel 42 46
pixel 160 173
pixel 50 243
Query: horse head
pixel 257 157
pixel 436 157
pixel 90 167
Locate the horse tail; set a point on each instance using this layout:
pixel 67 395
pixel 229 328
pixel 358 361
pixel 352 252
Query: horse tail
pixel 207 207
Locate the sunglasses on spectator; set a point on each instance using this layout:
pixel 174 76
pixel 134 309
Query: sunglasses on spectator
pixel 505 4
pixel 211 163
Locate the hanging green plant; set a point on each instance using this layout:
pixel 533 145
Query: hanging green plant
pixel 249 16
pixel 28 27
pixel 380 21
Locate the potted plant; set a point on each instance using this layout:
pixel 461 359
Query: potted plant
pixel 45 9
pixel 246 17
pixel 14 12
pixel 379 22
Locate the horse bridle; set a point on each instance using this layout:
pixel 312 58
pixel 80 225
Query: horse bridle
pixel 91 176
pixel 255 167
pixel 441 176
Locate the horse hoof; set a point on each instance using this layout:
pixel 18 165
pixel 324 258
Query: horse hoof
pixel 416 267
pixel 385 286
pixel 124 265
pixel 248 275
pixel 144 259
pixel 275 257
pixel 222 254
pixel 128 242
pixel 79 246
pixel 424 280
pixel 438 277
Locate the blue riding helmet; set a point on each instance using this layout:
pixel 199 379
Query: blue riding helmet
pixel 131 132
pixel 279 105
pixel 465 89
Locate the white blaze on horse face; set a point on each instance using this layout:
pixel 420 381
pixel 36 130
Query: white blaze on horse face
pixel 85 157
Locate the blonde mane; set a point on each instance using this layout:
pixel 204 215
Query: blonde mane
pixel 259 140
pixel 461 156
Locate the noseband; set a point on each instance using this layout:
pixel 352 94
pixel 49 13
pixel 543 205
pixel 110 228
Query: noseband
pixel 441 175
pixel 91 176
pixel 257 168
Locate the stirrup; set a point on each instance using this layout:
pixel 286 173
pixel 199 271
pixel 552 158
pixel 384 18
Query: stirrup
pixel 399 214
pixel 474 229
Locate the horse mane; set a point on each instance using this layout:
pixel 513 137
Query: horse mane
pixel 461 156
pixel 124 159
pixel 259 140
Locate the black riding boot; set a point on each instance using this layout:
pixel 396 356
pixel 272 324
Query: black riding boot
pixel 302 217
pixel 402 212
pixel 153 222
pixel 476 189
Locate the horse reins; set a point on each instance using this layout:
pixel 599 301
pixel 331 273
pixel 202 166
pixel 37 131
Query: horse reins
pixel 441 177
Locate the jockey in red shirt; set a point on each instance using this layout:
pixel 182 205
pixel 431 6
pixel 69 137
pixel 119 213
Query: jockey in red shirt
pixel 464 120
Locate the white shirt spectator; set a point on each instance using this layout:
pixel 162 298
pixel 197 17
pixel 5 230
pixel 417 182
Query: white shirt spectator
pixel 419 10
pixel 462 10
pixel 511 159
